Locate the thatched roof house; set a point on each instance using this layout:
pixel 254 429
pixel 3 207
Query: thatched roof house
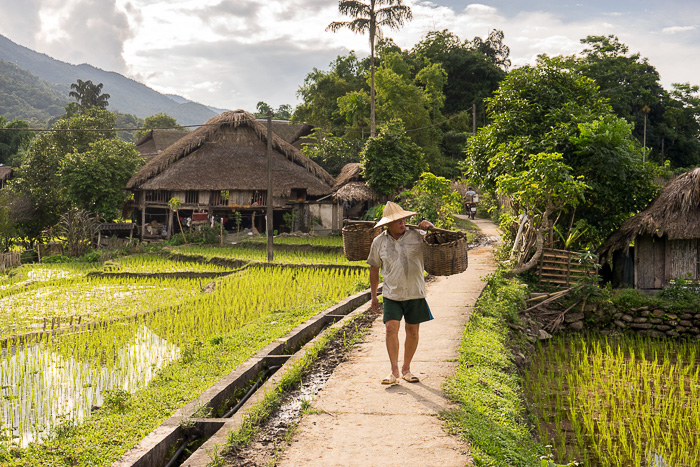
pixel 221 167
pixel 156 141
pixel 666 236
pixel 290 132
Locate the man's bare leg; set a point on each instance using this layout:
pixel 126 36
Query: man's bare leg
pixel 392 345
pixel 410 347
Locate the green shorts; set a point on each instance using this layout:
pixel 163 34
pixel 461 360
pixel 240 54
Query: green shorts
pixel 415 311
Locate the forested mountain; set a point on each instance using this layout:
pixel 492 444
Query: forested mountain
pixel 23 96
pixel 127 96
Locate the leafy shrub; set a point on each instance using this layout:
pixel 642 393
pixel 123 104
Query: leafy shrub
pixel 433 198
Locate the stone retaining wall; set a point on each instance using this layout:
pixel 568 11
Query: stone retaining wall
pixel 648 321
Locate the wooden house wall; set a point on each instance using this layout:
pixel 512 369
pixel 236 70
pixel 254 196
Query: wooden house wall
pixel 684 259
pixel 659 260
pixel 650 262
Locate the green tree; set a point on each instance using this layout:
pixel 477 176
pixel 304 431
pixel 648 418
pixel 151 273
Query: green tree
pixel 550 108
pixel 432 198
pixel 331 152
pixel 322 89
pixel 472 74
pixel 355 107
pixel 263 109
pixel 284 112
pixel 38 174
pixel 12 142
pixel 417 102
pixel 391 161
pixel 371 18
pixel 8 227
pixel 545 187
pixel 159 120
pixel 88 95
pixel 663 121
pixel 94 180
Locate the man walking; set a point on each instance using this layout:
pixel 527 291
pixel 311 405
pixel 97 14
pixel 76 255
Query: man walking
pixel 398 253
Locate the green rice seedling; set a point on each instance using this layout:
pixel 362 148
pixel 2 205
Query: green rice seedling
pixel 627 397
pixel 282 256
pixel 153 264
pixel 61 379
pixel 62 302
pixel 328 241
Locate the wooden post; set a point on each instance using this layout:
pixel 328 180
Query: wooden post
pixel 170 223
pixel 221 232
pixel 143 213
pixel 269 201
pixel 474 119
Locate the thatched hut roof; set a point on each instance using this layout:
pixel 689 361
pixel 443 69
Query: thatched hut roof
pixel 675 214
pixel 288 131
pixel 230 152
pixel 355 192
pixel 155 141
pixel 350 186
pixel 351 172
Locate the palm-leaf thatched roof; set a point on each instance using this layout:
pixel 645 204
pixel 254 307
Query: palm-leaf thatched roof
pixel 229 152
pixel 157 140
pixel 675 214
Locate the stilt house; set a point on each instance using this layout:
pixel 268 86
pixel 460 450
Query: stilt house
pixel 221 168
pixel 666 239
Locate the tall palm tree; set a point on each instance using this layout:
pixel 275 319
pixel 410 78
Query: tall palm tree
pixel 370 17
pixel 88 95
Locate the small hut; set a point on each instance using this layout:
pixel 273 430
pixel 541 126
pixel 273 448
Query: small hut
pixel 221 168
pixel 5 175
pixel 351 191
pixel 666 239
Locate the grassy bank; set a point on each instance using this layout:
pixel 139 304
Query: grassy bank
pixel 491 413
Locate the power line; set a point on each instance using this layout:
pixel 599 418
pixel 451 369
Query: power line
pixel 346 130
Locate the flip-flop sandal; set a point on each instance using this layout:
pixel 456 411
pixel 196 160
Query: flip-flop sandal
pixel 391 379
pixel 410 377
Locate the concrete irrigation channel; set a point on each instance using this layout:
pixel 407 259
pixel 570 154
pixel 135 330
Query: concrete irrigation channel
pixel 258 375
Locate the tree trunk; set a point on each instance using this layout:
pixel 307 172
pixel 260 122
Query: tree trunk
pixel 532 261
pixel 372 124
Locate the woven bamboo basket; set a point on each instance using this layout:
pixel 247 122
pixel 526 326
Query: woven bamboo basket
pixel 357 240
pixel 445 252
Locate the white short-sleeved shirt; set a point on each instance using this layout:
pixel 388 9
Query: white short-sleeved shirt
pixel 401 263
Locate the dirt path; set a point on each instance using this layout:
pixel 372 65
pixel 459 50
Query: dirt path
pixel 356 421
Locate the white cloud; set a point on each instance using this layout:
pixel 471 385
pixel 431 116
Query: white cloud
pixel 233 53
pixel 675 29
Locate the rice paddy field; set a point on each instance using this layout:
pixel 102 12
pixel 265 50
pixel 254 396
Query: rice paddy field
pixel 617 401
pixel 328 241
pixel 301 256
pixel 118 333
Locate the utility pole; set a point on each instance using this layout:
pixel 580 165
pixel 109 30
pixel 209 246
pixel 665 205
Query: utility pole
pixel 268 225
pixel 645 111
pixel 474 119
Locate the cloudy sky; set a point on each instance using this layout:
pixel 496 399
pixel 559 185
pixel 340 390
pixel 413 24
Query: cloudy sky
pixel 233 53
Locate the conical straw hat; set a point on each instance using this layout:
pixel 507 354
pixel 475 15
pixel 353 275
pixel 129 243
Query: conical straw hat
pixel 393 212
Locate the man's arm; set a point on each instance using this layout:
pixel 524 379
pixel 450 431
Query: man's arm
pixel 373 286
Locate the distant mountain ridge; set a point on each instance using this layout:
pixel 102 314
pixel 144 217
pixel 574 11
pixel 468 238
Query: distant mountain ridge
pixel 126 95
